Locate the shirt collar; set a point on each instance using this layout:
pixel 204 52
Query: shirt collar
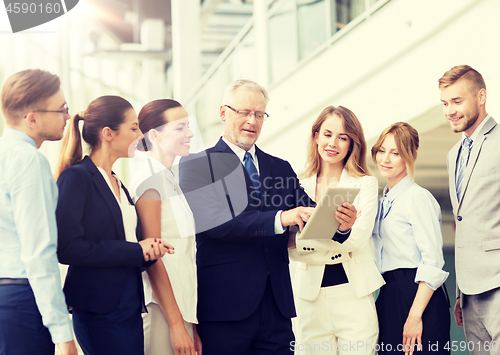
pixel 478 129
pixel 396 190
pixel 159 167
pixel 238 151
pixel 15 134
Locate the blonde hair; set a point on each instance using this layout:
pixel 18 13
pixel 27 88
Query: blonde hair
pixel 407 142
pixel 355 160
pixel 473 77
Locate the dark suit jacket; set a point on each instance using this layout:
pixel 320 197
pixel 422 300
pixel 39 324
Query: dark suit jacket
pixel 91 239
pixel 237 248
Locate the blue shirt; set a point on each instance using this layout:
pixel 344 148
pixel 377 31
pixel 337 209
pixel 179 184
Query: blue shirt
pixel 407 233
pixel 28 232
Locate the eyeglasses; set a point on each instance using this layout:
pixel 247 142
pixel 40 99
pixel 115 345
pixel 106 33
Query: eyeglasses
pixel 64 111
pixel 259 116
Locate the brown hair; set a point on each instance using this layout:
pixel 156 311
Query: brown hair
pixel 407 142
pixel 475 80
pixel 153 116
pixel 105 111
pixel 27 90
pixel 355 160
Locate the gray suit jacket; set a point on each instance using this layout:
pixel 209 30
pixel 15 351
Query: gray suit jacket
pixel 477 214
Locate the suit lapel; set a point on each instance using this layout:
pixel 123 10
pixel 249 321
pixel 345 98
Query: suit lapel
pixel 224 162
pixel 265 169
pixel 453 171
pixel 476 149
pixel 109 197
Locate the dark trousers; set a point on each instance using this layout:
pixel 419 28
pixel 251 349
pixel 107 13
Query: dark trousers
pixel 21 328
pixel 393 305
pixel 266 331
pixel 116 333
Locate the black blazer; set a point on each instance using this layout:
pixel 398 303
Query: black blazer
pixel 237 248
pixel 91 240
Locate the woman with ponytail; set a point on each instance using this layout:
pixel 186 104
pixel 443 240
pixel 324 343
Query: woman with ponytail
pixel 98 231
pixel 170 285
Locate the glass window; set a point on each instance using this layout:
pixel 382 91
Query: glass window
pixel 282 41
pixel 244 57
pixel 312 25
pixel 347 10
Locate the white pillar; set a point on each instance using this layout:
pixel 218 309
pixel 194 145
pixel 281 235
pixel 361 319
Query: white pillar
pixel 153 39
pixel 186 49
pixel 261 41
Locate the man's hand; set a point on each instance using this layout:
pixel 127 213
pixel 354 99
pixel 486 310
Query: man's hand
pixel 346 215
pixel 68 348
pixel 457 312
pixel 296 216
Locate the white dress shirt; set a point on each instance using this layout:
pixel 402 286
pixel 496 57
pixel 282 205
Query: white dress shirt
pixel 177 229
pixel 129 215
pixel 407 233
pixel 28 231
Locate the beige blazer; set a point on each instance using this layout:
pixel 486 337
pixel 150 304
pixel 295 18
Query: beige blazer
pixel 477 214
pixel 356 254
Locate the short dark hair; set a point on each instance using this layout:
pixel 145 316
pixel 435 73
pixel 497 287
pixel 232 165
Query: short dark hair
pixel 28 90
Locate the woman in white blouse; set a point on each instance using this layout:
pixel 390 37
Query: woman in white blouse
pixel 412 307
pixel 170 285
pixel 335 279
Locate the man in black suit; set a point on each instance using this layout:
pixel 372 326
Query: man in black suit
pixel 243 201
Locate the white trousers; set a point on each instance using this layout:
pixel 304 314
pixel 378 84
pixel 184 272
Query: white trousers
pixel 336 322
pixel 157 332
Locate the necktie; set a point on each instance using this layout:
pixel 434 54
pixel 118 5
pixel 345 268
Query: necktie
pixel 462 164
pixel 252 171
pixel 384 207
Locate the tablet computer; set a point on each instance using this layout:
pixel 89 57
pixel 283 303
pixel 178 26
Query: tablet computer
pixel 322 224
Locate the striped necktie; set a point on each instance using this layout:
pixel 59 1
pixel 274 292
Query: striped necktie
pixel 462 164
pixel 252 171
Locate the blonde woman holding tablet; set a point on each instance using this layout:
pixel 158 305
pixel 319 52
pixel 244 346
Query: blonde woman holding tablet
pixel 335 279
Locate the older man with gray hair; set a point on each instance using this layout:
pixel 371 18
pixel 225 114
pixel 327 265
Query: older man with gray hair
pixel 243 201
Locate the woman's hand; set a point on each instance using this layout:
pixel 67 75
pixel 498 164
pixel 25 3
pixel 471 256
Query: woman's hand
pixel 197 340
pixel 346 215
pixel 68 348
pixel 181 341
pixel 412 334
pixel 153 248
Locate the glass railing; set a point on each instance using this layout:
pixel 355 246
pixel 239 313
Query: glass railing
pixel 297 31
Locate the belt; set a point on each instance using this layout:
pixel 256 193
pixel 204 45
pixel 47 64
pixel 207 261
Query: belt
pixel 9 281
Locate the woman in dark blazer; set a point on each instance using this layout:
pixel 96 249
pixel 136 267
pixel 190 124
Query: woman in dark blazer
pixel 98 231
